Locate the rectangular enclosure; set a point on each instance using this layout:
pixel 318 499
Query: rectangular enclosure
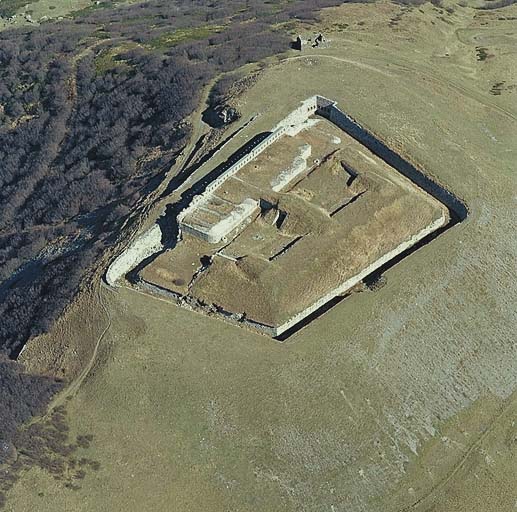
pixel 296 222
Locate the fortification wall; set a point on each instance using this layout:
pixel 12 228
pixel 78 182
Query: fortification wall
pixel 298 166
pixel 296 120
pixel 289 125
pixel 322 102
pixel 350 283
pixel 210 189
pixel 142 247
pixel 376 146
pixel 218 231
pixel 150 242
pixel 339 290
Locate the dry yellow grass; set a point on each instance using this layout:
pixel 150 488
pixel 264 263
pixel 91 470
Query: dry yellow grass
pixel 398 400
pixel 327 249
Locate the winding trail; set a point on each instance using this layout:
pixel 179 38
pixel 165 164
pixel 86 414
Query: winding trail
pixel 75 385
pixel 410 68
pixel 439 486
pixel 148 206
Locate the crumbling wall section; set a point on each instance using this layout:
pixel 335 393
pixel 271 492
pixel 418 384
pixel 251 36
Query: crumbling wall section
pixel 298 166
pixel 290 125
pixel 329 110
pixel 220 230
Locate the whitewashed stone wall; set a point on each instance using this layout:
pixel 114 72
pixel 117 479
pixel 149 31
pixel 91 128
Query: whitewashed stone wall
pixel 290 125
pixel 232 170
pixel 298 166
pixel 218 231
pixel 144 246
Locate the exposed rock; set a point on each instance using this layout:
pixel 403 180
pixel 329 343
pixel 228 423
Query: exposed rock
pixel 220 115
pixel 8 453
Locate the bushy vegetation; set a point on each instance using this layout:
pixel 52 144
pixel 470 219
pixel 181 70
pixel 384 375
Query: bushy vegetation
pixel 92 112
pixel 9 7
pixel 23 396
pixel 46 444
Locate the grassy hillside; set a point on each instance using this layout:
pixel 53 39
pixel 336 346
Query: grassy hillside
pixel 93 112
pixel 401 399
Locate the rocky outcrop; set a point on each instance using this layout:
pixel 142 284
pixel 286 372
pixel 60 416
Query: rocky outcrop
pixel 220 116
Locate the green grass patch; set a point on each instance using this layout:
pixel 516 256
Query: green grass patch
pixel 10 7
pixel 102 34
pixel 91 8
pixel 184 35
pixel 110 59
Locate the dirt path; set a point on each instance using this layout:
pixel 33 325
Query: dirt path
pixel 148 206
pixel 75 385
pixel 410 67
pixel 440 485
pixel 199 129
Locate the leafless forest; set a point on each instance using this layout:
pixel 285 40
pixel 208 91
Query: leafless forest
pixel 92 113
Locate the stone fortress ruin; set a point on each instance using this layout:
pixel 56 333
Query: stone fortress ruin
pixel 301 218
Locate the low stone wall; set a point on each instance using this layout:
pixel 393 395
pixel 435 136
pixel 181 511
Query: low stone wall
pixel 376 146
pixel 261 328
pixel 236 319
pixel 218 231
pixel 298 166
pixel 144 246
pixel 157 290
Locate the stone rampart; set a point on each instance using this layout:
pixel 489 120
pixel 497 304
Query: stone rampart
pixel 350 283
pixel 218 231
pixel 231 171
pixel 298 166
pixel 150 242
pixel 376 146
pixel 144 246
pixel 296 120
